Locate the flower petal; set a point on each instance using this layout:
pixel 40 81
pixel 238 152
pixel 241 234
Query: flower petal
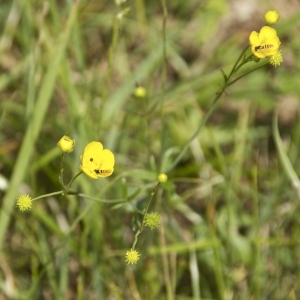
pixel 253 38
pixel 267 32
pixel 96 162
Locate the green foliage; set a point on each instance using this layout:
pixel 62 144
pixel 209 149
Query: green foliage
pixel 229 226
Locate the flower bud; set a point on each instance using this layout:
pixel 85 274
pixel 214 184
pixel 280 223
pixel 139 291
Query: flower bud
pixel 271 16
pixel 66 144
pixel 140 92
pixel 162 177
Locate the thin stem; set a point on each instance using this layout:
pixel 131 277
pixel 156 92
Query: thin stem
pixel 246 73
pixel 235 68
pixel 97 199
pixel 61 175
pixel 164 73
pixel 227 83
pixel 247 59
pixel 145 213
pixel 195 134
pixel 72 180
pixel 48 195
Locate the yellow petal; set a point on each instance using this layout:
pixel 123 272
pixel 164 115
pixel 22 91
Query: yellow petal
pixel 266 33
pixel 88 172
pixel 96 162
pixel 106 162
pixel 253 38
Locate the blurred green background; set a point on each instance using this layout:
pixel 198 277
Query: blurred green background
pixel 230 223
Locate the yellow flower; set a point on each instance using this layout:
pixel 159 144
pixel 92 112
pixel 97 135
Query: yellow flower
pixel 132 256
pixel 152 220
pixel 265 43
pixel 162 177
pixel 276 59
pixel 140 92
pixel 271 16
pixel 97 162
pixel 24 202
pixel 66 144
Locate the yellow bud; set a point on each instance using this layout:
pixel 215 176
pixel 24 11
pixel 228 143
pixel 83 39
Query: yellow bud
pixel 140 92
pixel 271 17
pixel 66 144
pixel 162 177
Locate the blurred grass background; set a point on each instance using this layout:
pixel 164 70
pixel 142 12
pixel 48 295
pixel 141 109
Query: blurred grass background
pixel 230 213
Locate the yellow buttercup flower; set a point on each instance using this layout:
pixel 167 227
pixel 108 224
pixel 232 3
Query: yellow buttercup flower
pixel 132 256
pixel 265 43
pixel 271 16
pixel 24 202
pixel 66 144
pixel 97 162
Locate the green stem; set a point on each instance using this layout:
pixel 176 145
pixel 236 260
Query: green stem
pixel 48 195
pixel 72 180
pixel 234 68
pixel 238 64
pixel 246 73
pixel 80 195
pixel 97 199
pixel 201 125
pixel 247 59
pixel 145 213
pixel 61 175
